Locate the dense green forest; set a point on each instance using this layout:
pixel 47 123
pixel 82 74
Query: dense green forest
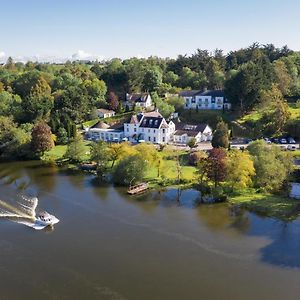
pixel 260 77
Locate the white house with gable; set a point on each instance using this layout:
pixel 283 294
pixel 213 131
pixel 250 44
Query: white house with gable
pixel 210 99
pixel 142 100
pixel 149 127
pixel 185 132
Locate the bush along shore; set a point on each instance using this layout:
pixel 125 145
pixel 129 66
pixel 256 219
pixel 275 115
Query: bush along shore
pixel 255 179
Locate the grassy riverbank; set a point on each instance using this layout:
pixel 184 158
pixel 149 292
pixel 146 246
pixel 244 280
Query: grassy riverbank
pixel 269 205
pixel 166 175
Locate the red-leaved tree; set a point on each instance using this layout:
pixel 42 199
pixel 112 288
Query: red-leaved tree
pixel 113 101
pixel 216 167
pixel 41 138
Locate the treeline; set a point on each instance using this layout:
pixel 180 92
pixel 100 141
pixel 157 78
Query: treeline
pixel 66 95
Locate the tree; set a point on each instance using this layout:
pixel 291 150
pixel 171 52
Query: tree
pixel 276 112
pixel 119 151
pixel 101 155
pixel 164 108
pixel 10 104
pixel 130 170
pixel 177 102
pixel 171 78
pixel 76 149
pixel 195 157
pixel 283 78
pixel 113 101
pixel 221 137
pixel 152 80
pixel 96 90
pixel 240 169
pixel 62 136
pixel 41 138
pixel 216 167
pixel 272 166
pixel 192 143
pixel 14 140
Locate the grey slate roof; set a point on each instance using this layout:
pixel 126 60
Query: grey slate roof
pixel 189 93
pixel 151 122
pixel 100 125
pixel 190 130
pixel 141 97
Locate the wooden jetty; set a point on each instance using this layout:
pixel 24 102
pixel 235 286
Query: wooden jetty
pixel 137 189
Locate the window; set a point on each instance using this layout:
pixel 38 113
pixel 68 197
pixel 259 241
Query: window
pixel 134 129
pixel 127 129
pixel 193 100
pixel 153 130
pixel 149 130
pixel 163 130
pixel 154 139
pixel 163 139
pixel 149 139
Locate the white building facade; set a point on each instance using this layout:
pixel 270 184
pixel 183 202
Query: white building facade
pixel 105 113
pixel 149 127
pixel 103 132
pixel 184 133
pixel 211 99
pixel 142 100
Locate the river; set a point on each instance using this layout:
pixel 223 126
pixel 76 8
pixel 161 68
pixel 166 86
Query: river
pixel 160 245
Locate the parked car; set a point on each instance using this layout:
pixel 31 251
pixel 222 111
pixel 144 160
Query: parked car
pixel 291 140
pixel 248 141
pixel 291 147
pixel 283 141
pixel 276 141
pixel 267 140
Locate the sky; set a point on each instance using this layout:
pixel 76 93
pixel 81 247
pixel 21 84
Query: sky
pixel 56 30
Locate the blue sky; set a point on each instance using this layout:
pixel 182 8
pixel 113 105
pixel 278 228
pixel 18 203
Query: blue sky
pixel 56 29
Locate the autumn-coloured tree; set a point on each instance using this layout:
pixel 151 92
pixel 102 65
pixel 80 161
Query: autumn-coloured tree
pixel 41 138
pixel 113 101
pixel 216 166
pixel 119 151
pixel 240 169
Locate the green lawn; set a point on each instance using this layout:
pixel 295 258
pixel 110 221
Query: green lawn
pixel 58 152
pixel 206 116
pixel 256 115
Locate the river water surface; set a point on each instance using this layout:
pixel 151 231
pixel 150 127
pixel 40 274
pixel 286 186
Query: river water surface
pixel 160 245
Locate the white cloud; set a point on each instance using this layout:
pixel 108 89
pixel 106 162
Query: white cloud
pixel 2 57
pixel 79 55
pixel 82 55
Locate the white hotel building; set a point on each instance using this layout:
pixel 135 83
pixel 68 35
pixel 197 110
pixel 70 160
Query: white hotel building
pixel 211 99
pixel 149 127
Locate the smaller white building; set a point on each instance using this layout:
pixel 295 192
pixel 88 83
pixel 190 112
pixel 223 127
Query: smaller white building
pixel 295 190
pixel 142 100
pixel 105 113
pixel 103 132
pixel 185 132
pixel 210 99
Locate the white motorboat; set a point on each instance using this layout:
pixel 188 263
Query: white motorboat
pixel 45 219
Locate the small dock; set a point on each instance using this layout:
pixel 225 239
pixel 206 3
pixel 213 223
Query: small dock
pixel 137 189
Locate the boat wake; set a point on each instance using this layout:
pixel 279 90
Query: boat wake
pixel 22 209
